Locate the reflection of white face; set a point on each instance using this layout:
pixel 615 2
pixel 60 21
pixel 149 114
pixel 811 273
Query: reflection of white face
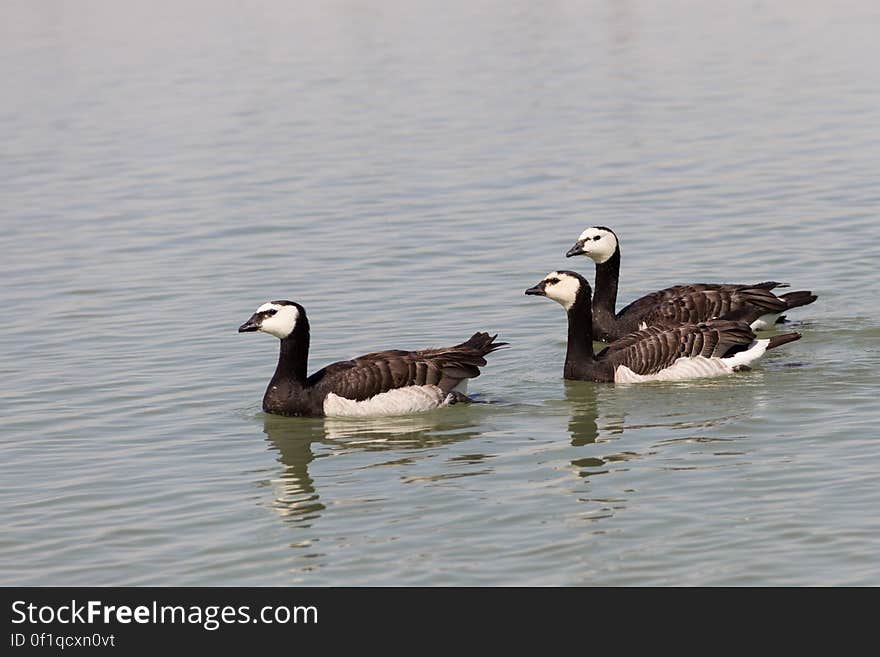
pixel 562 288
pixel 598 244
pixel 280 320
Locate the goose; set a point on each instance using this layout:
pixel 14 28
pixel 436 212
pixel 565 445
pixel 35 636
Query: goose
pixel 698 302
pixel 656 353
pixel 385 383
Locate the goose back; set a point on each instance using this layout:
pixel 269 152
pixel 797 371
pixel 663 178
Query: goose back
pixel 371 374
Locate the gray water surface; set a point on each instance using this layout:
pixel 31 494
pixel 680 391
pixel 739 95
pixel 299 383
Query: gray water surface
pixel 405 170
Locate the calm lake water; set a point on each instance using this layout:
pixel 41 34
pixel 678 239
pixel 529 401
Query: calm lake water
pixel 405 170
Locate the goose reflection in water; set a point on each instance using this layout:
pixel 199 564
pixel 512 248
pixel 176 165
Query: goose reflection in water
pixel 660 418
pixel 297 498
pixel 583 425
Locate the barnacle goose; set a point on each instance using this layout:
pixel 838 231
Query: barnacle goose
pixel 754 304
pixel 657 353
pixel 390 382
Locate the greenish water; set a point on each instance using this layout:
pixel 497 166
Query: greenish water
pixel 405 171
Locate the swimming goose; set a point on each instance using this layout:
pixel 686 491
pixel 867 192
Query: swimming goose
pixel 754 304
pixel 657 353
pixel 390 382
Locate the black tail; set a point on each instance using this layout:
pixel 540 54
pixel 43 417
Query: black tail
pixel 769 285
pixel 799 298
pixel 482 343
pixel 463 361
pixel 785 338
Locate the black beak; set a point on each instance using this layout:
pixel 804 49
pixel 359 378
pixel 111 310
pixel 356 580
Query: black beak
pixel 537 289
pixel 577 249
pixel 253 324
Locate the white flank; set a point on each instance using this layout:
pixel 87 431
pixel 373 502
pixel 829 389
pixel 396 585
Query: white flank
pixel 765 322
pixel 400 401
pixel 696 367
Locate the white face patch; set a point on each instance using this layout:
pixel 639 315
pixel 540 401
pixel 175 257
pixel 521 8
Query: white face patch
pixel 598 244
pixel 563 290
pixel 282 323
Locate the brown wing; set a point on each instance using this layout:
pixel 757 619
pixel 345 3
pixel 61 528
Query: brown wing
pixel 656 348
pixel 650 302
pixel 372 374
pixel 744 303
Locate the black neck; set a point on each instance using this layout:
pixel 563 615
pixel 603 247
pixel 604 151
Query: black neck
pixel 580 331
pixel 607 276
pixel 294 357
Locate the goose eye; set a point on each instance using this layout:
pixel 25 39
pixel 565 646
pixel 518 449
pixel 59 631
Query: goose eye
pixel 596 238
pixel 552 281
pixel 271 312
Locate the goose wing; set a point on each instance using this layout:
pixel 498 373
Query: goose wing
pixel 655 348
pixel 702 297
pixel 740 303
pixel 371 374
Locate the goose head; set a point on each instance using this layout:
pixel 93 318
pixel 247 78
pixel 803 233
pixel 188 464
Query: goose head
pixel 564 287
pixel 597 243
pixel 278 318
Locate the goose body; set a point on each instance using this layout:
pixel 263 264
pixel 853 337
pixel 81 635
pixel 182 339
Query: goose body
pixel 655 353
pixel 392 382
pixel 754 304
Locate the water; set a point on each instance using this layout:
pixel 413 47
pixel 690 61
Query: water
pixel 406 170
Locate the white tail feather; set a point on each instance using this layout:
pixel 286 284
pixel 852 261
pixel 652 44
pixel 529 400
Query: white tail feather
pixel 750 355
pixel 765 322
